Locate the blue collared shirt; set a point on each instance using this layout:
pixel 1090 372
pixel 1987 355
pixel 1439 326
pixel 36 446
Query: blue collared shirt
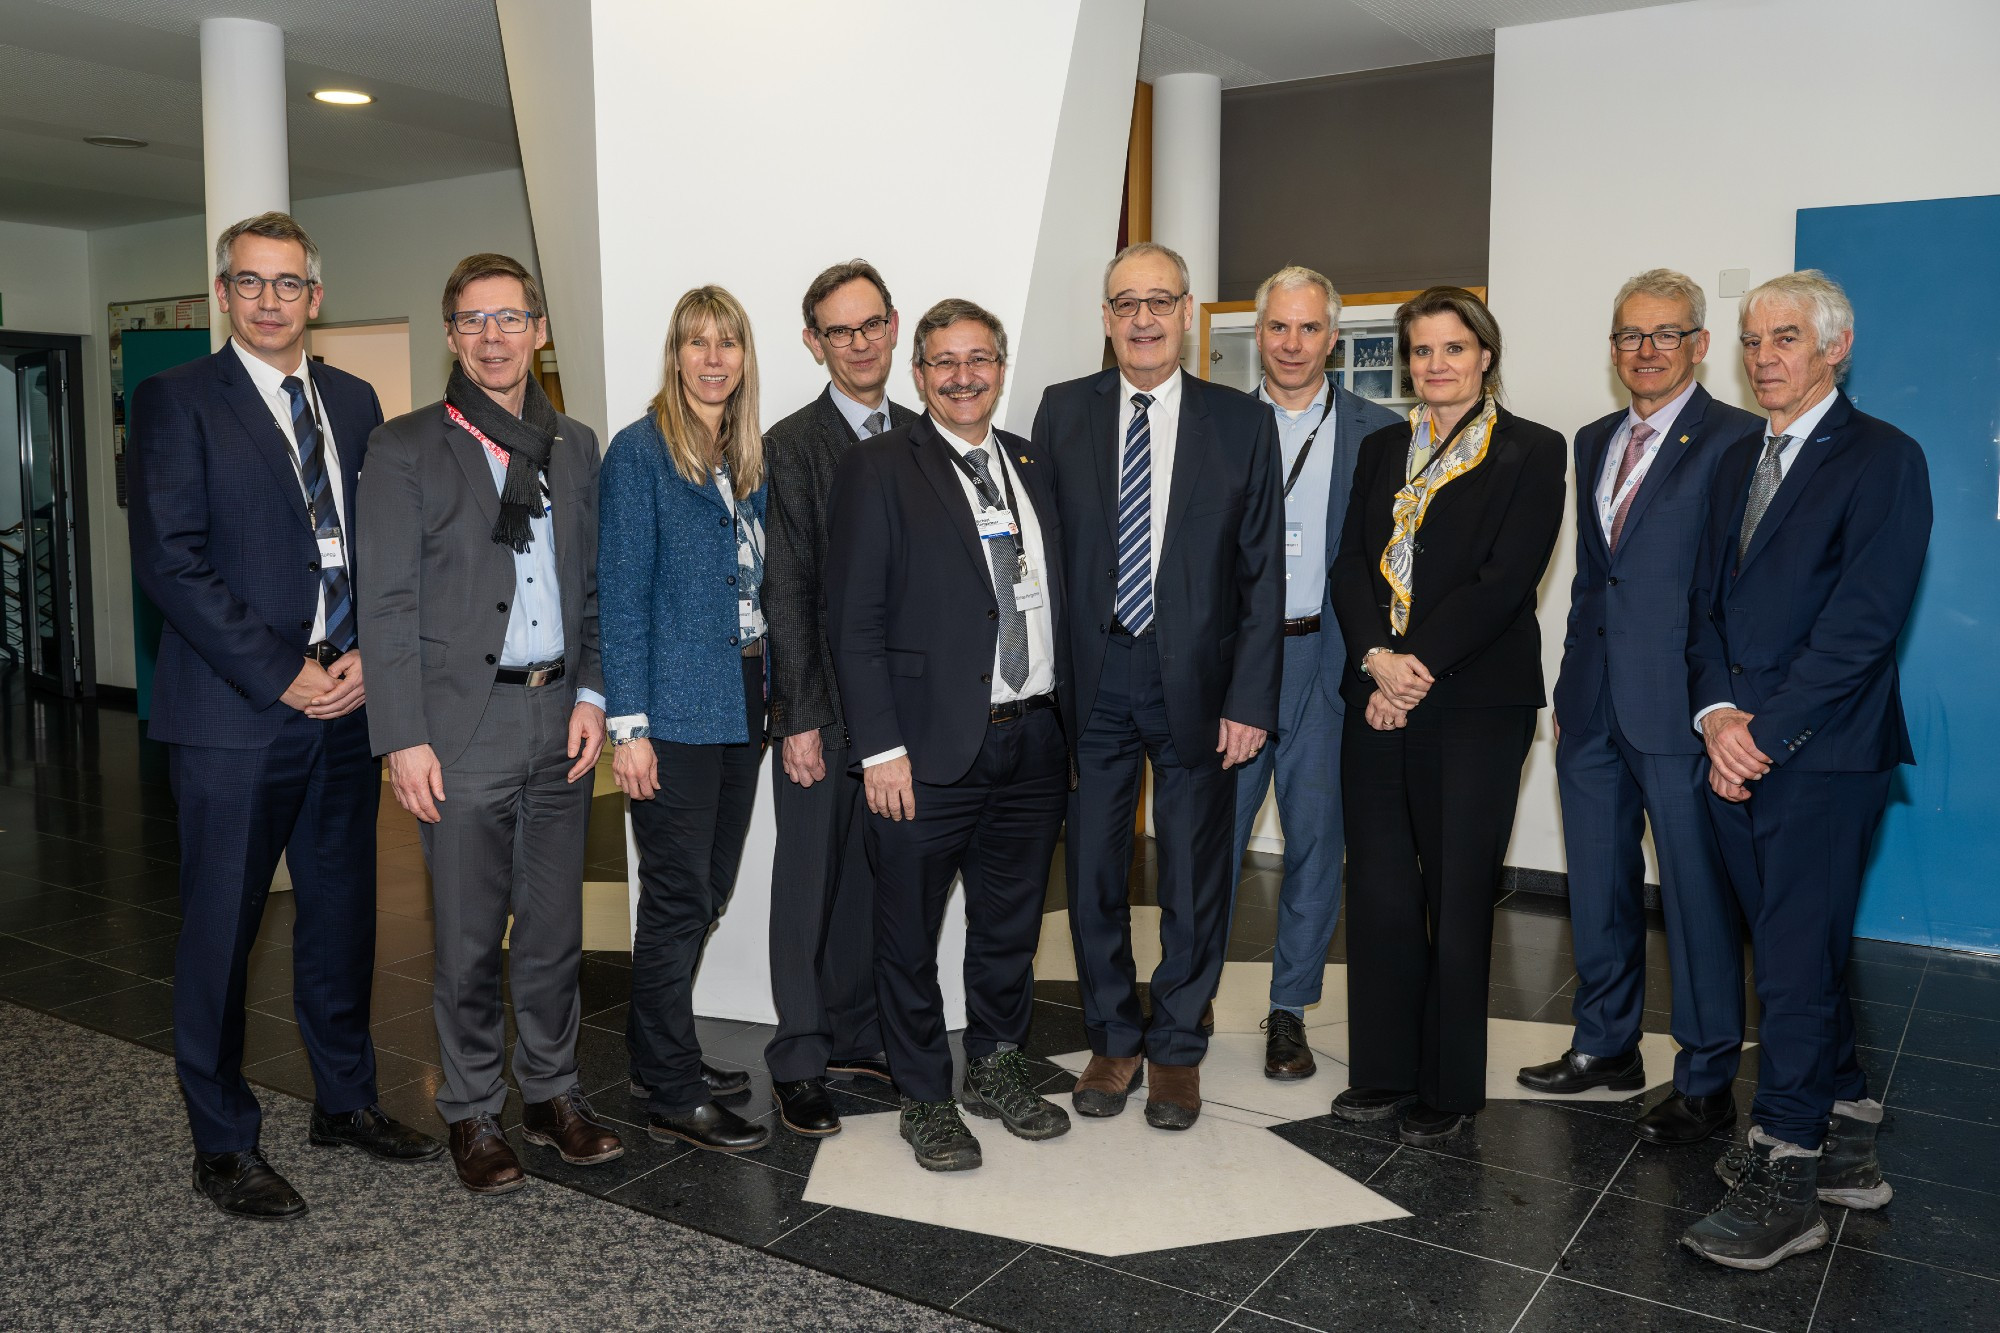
pixel 534 621
pixel 1305 507
pixel 857 414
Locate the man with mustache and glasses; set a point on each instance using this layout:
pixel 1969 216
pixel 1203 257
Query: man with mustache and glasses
pixel 945 612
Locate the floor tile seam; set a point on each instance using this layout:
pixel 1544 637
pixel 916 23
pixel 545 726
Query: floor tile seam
pixel 1906 1259
pixel 1540 1287
pixel 1832 1256
pixel 1494 1166
pixel 823 1211
pixel 1571 1242
pixel 1902 1051
pixel 1452 1249
pixel 1909 1020
pixel 953 1307
pixel 1251 1295
pixel 1899 1109
pixel 1667 1305
pixel 1141 1277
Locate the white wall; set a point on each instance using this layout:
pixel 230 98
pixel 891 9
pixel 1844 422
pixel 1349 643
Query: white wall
pixel 44 285
pixel 1689 136
pixel 378 353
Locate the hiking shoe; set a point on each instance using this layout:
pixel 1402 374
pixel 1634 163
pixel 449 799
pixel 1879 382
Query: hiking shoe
pixel 1770 1214
pixel 1001 1086
pixel 938 1136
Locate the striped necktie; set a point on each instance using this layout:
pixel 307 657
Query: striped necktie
pixel 325 517
pixel 1635 449
pixel 1135 521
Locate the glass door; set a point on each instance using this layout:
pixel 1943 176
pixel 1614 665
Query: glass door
pixel 41 558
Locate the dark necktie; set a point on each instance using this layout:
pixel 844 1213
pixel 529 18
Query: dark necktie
pixel 1004 553
pixel 325 517
pixel 1763 485
pixel 876 423
pixel 1134 603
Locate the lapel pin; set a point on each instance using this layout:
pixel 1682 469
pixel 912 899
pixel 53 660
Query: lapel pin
pixel 1684 439
pixel 1024 458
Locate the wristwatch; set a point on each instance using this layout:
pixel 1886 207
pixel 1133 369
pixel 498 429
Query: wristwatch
pixel 1364 660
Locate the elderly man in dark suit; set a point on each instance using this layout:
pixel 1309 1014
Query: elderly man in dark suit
pixel 945 610
pixel 244 467
pixel 822 910
pixel 1173 558
pixel 1320 428
pixel 480 615
pixel 1817 532
pixel 1624 751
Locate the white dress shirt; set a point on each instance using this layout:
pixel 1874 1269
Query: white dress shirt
pixel 1609 494
pixel 1041 677
pixel 270 385
pixel 1163 417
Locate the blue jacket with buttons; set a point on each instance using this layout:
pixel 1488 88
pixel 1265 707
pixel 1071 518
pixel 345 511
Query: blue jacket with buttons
pixel 667 594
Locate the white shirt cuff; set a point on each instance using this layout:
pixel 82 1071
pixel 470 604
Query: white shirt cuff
pixel 898 753
pixel 589 696
pixel 1705 712
pixel 624 727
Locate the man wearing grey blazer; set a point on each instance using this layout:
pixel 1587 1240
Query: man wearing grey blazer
pixel 479 612
pixel 822 893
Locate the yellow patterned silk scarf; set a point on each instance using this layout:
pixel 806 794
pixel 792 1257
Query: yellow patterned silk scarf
pixel 1465 454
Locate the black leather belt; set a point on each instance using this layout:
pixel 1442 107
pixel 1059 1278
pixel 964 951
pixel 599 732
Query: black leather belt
pixel 1302 626
pixel 1117 628
pixel 532 677
pixel 324 652
pixel 1007 712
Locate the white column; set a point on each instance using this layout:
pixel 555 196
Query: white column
pixel 1187 176
pixel 246 168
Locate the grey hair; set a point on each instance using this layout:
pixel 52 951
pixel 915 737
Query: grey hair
pixel 1138 248
pixel 1832 313
pixel 1669 285
pixel 273 226
pixel 1290 279
pixel 953 310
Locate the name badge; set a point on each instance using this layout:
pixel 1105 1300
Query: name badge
pixel 1028 592
pixel 1295 539
pixel 994 523
pixel 331 556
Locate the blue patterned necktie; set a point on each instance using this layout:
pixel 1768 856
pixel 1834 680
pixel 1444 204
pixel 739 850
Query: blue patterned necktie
pixel 1135 521
pixel 326 518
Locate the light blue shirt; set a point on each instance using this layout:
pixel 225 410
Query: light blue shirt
pixel 534 620
pixel 1305 507
pixel 857 414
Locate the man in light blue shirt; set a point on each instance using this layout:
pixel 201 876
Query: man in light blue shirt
pixel 1320 428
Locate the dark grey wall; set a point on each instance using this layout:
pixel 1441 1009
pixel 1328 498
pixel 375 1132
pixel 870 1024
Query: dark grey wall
pixel 1379 180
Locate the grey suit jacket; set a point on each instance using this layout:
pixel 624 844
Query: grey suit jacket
pixel 800 453
pixel 436 588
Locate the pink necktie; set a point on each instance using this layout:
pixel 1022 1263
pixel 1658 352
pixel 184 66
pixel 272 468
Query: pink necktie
pixel 1635 449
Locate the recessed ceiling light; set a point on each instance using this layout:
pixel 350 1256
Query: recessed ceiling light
pixel 342 97
pixel 114 141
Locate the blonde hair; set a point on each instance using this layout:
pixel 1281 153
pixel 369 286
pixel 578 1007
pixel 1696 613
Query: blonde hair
pixel 689 442
pixel 1825 303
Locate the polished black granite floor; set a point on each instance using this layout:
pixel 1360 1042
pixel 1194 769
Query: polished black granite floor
pixel 1549 1216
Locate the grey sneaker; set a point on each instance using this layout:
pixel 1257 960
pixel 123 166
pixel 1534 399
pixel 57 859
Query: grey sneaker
pixel 1849 1174
pixel 1770 1214
pixel 938 1136
pixel 1001 1085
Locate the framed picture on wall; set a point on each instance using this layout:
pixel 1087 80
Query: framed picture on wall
pixel 1366 359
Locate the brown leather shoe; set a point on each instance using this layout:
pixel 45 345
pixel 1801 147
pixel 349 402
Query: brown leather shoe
pixel 486 1165
pixel 567 1124
pixel 1105 1083
pixel 1175 1099
pixel 1208 1019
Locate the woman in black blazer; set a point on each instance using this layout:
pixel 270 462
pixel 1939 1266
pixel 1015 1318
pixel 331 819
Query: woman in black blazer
pixel 1449 526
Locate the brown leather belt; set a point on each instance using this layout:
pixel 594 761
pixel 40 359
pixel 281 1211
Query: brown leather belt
pixel 1304 625
pixel 1007 712
pixel 532 677
pixel 754 648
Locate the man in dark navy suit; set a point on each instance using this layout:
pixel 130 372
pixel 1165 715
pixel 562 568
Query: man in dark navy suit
pixel 1817 533
pixel 1624 751
pixel 1174 562
pixel 945 613
pixel 244 467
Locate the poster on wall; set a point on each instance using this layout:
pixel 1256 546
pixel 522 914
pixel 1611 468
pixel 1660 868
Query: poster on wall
pixel 168 312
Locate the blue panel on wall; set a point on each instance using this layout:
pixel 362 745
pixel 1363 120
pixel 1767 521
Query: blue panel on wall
pixel 1925 281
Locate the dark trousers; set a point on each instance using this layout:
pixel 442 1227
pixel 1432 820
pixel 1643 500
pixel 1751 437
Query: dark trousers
pixel 822 924
pixel 1796 852
pixel 690 838
pixel 509 844
pixel 311 795
pixel 1429 810
pixel 1194 818
pixel 1609 791
pixel 997 826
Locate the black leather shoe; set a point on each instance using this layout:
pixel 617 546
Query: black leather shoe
pixel 867 1066
pixel 243 1184
pixel 1425 1125
pixel 1577 1072
pixel 1682 1119
pixel 371 1130
pixel 805 1108
pixel 1286 1054
pixel 710 1126
pixel 1361 1105
pixel 720 1082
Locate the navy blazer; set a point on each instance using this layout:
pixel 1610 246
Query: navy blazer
pixel 667 594
pixel 911 611
pixel 222 544
pixel 1356 418
pixel 1628 611
pixel 1802 633
pixel 1218 591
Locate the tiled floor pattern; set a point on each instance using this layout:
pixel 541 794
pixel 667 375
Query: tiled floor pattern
pixel 1550 1216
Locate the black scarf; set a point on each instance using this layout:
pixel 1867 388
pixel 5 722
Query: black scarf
pixel 529 440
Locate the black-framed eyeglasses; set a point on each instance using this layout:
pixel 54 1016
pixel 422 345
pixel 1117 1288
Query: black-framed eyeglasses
pixel 1127 306
pixel 840 335
pixel 250 286
pixel 979 361
pixel 473 322
pixel 1663 340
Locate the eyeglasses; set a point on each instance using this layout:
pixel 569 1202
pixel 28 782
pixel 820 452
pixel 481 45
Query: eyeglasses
pixel 1127 306
pixel 250 286
pixel 978 361
pixel 1663 340
pixel 840 335
pixel 473 322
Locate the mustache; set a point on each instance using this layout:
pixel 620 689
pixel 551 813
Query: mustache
pixel 966 386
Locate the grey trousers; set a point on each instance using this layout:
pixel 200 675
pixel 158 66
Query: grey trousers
pixel 511 840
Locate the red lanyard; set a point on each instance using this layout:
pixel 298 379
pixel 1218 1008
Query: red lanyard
pixel 458 419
